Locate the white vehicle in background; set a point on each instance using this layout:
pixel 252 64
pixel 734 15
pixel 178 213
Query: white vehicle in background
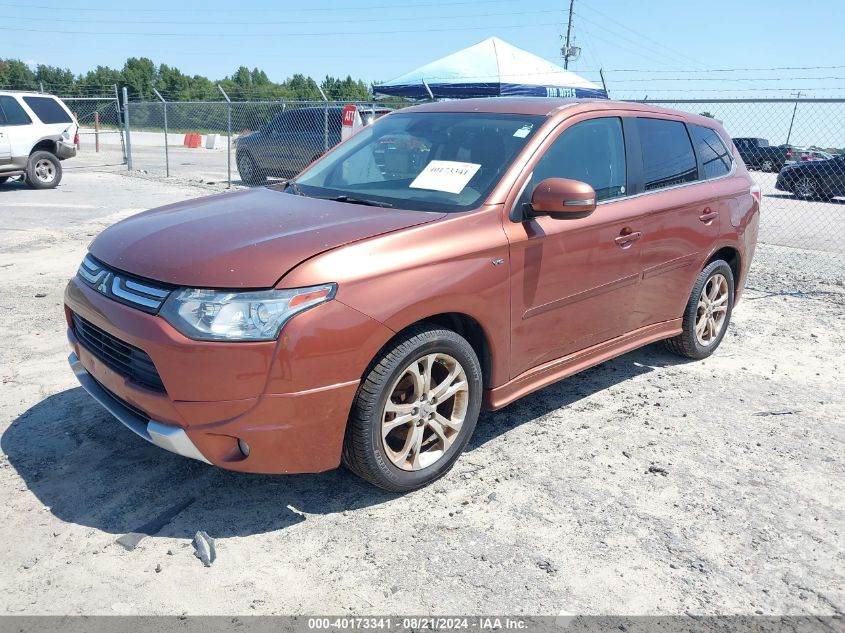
pixel 37 132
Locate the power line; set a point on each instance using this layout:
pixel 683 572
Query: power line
pixel 745 79
pixel 532 25
pixel 719 70
pixel 287 22
pixel 640 35
pixel 239 10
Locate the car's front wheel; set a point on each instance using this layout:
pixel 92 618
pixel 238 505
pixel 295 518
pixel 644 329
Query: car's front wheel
pixel 415 410
pixel 43 170
pixel 248 170
pixel 707 314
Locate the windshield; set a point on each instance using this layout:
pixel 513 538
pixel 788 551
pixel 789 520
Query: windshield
pixel 427 161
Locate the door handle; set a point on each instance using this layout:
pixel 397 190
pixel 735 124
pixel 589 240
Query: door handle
pixel 626 239
pixel 708 216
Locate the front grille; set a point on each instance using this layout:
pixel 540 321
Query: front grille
pixel 125 359
pixel 123 288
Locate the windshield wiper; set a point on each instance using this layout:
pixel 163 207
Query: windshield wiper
pixel 353 200
pixel 290 184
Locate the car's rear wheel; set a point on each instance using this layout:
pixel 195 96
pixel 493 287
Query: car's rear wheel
pixel 707 314
pixel 807 188
pixel 248 170
pixel 415 410
pixel 43 170
pixel 767 165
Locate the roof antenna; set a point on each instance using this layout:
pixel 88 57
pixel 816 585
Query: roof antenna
pixel 604 85
pixel 430 93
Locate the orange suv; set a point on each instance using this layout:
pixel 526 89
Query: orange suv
pixel 449 257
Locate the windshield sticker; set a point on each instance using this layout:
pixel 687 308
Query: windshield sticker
pixel 523 131
pixel 445 175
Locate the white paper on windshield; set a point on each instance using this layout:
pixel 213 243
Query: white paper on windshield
pixel 445 175
pixel 523 131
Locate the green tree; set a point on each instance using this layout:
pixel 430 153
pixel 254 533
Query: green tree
pixel 139 75
pixel 17 75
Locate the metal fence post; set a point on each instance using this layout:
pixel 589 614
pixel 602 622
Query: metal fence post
pixel 166 152
pixel 228 134
pixel 119 121
pixel 127 128
pixel 325 120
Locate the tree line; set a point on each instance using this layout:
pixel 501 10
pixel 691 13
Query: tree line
pixel 142 76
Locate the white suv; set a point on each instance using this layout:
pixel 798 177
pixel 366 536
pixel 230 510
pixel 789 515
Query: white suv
pixel 37 131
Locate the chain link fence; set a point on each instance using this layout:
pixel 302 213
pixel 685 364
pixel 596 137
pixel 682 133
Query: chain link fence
pixel 794 149
pixel 240 143
pixel 100 126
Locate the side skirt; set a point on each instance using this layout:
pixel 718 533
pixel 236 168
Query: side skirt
pixel 560 368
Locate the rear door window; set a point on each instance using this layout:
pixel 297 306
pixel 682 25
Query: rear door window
pixel 668 158
pixel 48 110
pixel 15 114
pixel 715 158
pixel 592 151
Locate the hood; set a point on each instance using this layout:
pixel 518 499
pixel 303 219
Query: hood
pixel 248 239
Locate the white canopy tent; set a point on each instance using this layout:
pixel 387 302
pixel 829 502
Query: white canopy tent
pixel 491 68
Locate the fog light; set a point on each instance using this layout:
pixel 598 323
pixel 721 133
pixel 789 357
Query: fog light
pixel 244 447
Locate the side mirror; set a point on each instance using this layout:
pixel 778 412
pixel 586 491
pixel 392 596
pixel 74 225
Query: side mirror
pixel 562 198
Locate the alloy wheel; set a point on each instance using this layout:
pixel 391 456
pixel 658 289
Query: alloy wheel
pixel 45 171
pixel 805 187
pixel 712 310
pixel 425 411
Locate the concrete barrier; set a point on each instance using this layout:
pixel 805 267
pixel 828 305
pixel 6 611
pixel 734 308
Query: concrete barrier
pixel 214 141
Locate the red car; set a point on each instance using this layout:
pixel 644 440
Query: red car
pixel 448 257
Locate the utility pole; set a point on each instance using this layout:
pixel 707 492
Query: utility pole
pixel 567 51
pixel 797 96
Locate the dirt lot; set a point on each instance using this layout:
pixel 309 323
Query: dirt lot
pixel 647 485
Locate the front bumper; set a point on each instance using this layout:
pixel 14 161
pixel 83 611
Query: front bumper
pixel 170 438
pixel 289 400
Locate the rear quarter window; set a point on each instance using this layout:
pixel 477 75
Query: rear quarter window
pixel 668 157
pixel 13 112
pixel 715 158
pixel 48 110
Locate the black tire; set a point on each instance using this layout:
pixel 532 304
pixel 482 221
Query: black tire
pixel 808 188
pixel 767 165
pixel 43 170
pixel 364 452
pixel 3 179
pixel 248 170
pixel 687 343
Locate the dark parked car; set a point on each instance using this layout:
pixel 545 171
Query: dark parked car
pixel 756 153
pixel 814 180
pixel 292 141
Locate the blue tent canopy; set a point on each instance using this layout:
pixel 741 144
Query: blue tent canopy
pixel 492 68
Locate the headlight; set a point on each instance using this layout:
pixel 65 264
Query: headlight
pixel 224 315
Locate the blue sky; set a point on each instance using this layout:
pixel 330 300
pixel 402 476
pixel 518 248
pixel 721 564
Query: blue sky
pixel 379 39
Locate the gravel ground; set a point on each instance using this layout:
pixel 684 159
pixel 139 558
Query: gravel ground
pixel 647 485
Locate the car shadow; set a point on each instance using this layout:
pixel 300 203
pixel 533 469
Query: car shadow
pixel 88 470
pixel 14 185
pixel 789 196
